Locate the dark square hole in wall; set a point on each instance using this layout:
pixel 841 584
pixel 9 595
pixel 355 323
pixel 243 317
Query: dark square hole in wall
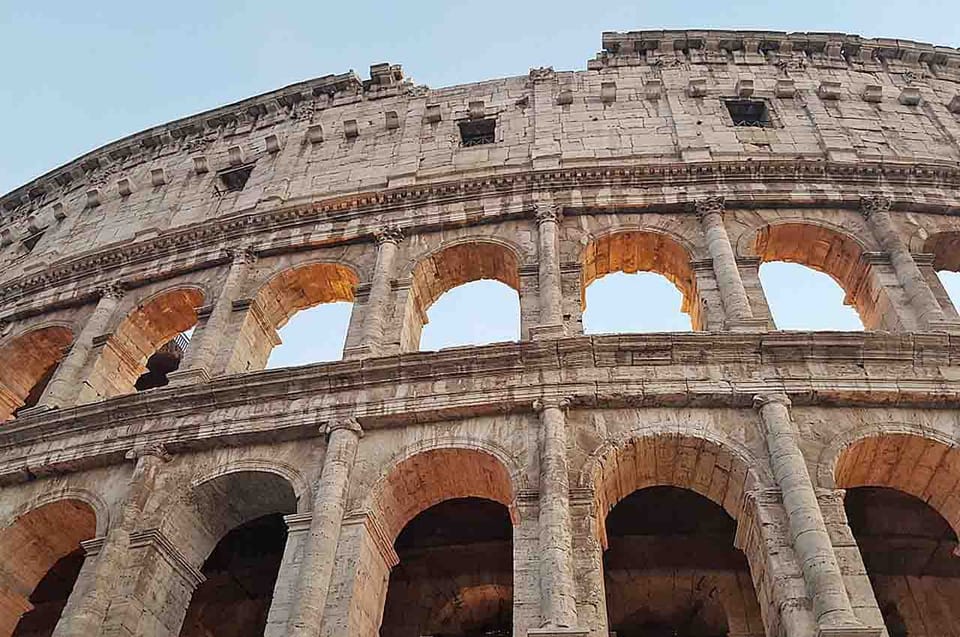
pixel 236 178
pixel 31 242
pixel 477 131
pixel 748 112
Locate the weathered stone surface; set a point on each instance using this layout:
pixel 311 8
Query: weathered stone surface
pixel 387 194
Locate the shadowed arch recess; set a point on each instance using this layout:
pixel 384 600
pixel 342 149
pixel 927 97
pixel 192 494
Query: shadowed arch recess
pixel 26 361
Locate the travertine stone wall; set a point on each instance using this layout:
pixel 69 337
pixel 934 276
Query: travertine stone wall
pixel 362 191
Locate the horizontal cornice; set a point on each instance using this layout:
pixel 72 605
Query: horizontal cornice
pixel 748 183
pixel 641 371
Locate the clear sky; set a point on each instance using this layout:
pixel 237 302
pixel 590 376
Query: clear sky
pixel 77 75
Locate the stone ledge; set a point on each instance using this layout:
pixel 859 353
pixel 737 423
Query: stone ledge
pixel 848 631
pixel 557 632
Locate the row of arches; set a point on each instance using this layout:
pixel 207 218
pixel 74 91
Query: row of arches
pixel 667 510
pixel 474 287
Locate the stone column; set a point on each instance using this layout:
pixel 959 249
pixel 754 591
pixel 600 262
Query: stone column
pixel 808 532
pixel 211 334
pixel 388 241
pixel 876 209
pixel 64 387
pixel 89 613
pixel 736 305
pixel 550 292
pixel 320 549
pixel 558 607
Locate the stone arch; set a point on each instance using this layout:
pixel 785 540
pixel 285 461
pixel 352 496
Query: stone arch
pixel 151 325
pixel 921 463
pixel 222 500
pixel 643 250
pixel 425 478
pixel 945 248
pixel 720 470
pixel 32 545
pixel 449 266
pixel 833 251
pixel 285 293
pixel 27 360
pixel 52 495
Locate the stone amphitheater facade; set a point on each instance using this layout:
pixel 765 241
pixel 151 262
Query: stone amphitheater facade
pixel 775 483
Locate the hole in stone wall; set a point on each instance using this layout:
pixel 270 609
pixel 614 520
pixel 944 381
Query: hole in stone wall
pixel 801 298
pixel 744 112
pixel 165 360
pixel 235 179
pixel 475 132
pixel 31 242
pixel 475 313
pixel 621 303
pixel 455 575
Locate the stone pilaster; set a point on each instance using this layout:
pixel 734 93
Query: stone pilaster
pixel 558 605
pixel 64 387
pixel 733 295
pixel 548 279
pixel 285 588
pixel 876 209
pixel 808 532
pixel 212 332
pixel 371 341
pixel 321 544
pixel 110 556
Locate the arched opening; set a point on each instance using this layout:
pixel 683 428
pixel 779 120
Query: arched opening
pixel 450 268
pixel 656 257
pixel 945 248
pixel 446 516
pixel 147 345
pixel 801 298
pixel 235 529
pixel 454 319
pixel 902 509
pixel 274 334
pixel 455 575
pixel 40 560
pixel 27 362
pixel 834 254
pixel 667 507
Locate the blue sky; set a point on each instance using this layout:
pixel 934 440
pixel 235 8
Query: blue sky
pixel 77 75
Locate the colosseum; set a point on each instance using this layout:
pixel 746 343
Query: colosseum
pixel 734 480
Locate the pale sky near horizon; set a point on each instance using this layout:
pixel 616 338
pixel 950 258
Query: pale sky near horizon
pixel 78 75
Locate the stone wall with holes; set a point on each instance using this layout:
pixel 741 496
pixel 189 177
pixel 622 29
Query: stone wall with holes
pixel 648 98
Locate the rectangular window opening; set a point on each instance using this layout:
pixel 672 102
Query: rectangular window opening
pixel 474 132
pixel 235 179
pixel 748 112
pixel 31 242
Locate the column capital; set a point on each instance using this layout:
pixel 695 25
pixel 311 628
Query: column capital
pixel 112 290
pixel 544 211
pixel 709 205
pixel 762 400
pixel 241 255
pixel 156 450
pixel 388 234
pixel 560 402
pixel 870 204
pixel 350 424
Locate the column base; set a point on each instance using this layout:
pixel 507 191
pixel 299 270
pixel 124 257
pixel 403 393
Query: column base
pixel 546 332
pixel 35 411
pixel 357 352
pixel 557 631
pixel 195 376
pixel 848 631
pixel 748 325
pixel 947 325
